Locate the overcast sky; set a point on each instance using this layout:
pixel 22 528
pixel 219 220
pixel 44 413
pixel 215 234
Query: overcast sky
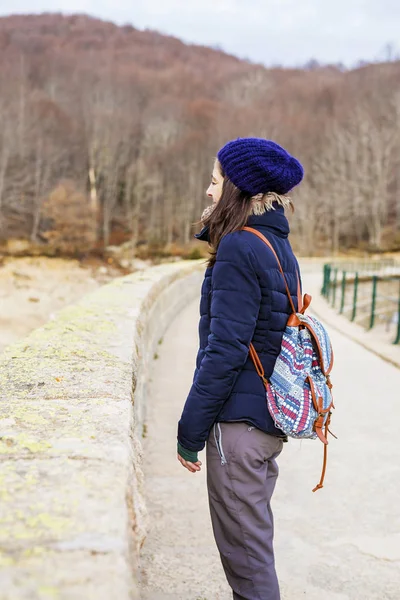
pixel 287 32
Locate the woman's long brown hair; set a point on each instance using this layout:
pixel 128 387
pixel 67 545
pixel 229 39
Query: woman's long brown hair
pixel 230 214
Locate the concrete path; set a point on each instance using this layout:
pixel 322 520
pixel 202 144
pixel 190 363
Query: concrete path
pixel 341 543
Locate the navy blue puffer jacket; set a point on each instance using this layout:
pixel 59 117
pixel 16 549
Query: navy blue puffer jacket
pixel 243 300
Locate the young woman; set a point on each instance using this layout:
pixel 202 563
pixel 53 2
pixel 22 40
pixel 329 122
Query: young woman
pixel 243 300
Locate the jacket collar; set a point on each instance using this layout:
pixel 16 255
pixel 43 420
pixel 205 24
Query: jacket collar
pixel 274 220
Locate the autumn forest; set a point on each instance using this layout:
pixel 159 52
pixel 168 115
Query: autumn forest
pixel 108 134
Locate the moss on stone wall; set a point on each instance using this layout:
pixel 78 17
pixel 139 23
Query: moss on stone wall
pixel 70 476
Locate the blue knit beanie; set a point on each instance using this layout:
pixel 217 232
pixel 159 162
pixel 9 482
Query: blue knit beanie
pixel 258 166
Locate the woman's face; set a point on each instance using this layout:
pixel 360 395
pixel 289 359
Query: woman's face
pixel 215 188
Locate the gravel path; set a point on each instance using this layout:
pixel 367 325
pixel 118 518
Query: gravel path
pixel 341 543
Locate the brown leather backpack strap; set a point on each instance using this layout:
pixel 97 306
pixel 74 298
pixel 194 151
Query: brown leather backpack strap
pixel 264 239
pixel 325 460
pixel 320 485
pixel 299 300
pixel 257 363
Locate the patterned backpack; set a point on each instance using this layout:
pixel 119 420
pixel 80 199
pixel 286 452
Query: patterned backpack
pixel 298 392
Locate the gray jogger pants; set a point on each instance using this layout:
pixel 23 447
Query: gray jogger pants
pixel 241 477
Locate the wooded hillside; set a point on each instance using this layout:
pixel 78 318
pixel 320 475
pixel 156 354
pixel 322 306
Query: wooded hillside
pixel 108 133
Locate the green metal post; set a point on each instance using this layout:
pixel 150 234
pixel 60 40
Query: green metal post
pixel 324 285
pixel 328 280
pixel 343 291
pixel 397 340
pixel 353 316
pixel 373 303
pixel 328 283
pixel 334 288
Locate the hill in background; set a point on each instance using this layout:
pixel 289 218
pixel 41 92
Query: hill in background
pixel 108 133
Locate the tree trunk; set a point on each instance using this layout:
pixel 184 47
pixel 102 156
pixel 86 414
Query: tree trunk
pixel 3 168
pixel 94 205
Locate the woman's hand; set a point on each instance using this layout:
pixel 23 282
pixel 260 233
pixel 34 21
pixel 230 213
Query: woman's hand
pixel 192 467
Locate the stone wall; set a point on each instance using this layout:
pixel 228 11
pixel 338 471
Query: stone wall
pixel 72 415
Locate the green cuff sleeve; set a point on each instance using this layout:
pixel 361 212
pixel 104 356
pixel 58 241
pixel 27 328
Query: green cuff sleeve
pixel 187 454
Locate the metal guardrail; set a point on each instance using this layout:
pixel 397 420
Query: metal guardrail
pixel 369 292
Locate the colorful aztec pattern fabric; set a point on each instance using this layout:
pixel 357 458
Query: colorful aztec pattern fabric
pixel 299 377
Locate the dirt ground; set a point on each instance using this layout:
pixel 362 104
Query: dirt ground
pixel 32 289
